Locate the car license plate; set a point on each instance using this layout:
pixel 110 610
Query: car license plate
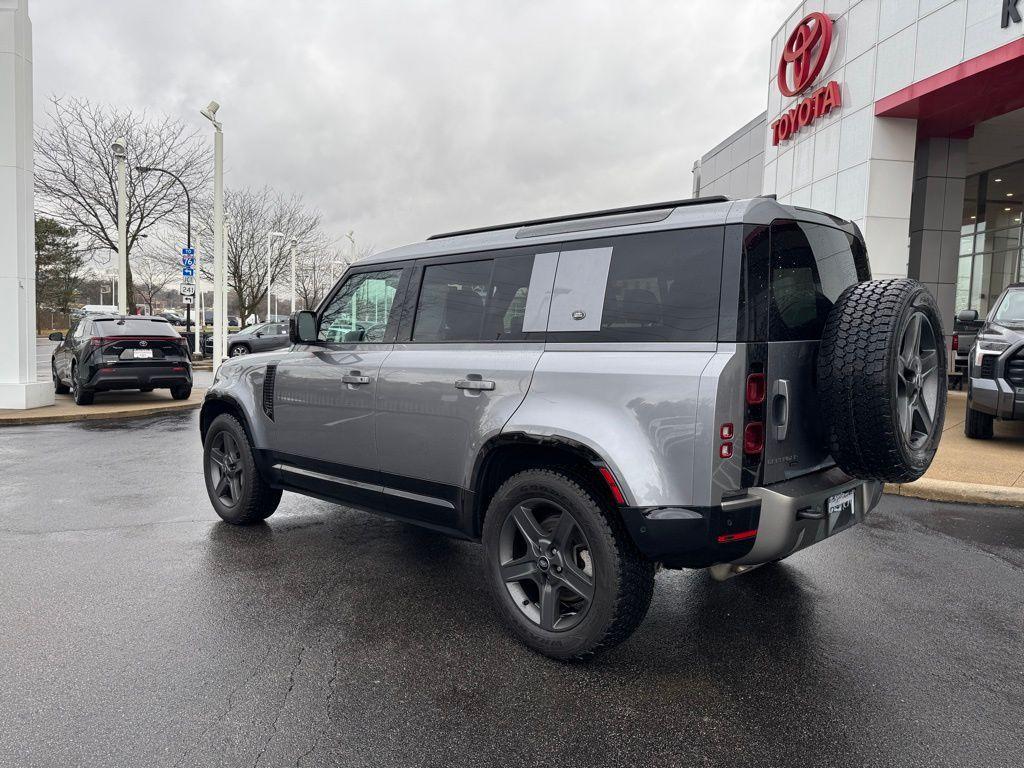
pixel 142 353
pixel 840 511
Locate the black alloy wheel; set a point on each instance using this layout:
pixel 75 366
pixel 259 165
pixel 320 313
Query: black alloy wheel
pixel 81 395
pixel 226 469
pixel 237 489
pixel 917 380
pixel 59 387
pixel 546 564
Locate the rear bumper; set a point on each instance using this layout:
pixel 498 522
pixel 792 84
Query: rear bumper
pixel 136 377
pixel 787 517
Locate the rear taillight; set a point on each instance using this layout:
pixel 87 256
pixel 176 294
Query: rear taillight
pixel 750 434
pixel 956 341
pixel 756 389
pixel 98 341
pixel 753 438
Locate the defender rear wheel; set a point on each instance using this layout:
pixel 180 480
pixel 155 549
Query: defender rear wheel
pixel 567 578
pixel 238 492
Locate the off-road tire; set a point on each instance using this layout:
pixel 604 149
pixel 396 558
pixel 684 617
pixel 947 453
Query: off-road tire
pixel 978 425
pixel 857 380
pixel 181 393
pixel 59 387
pixel 81 395
pixel 623 578
pixel 257 500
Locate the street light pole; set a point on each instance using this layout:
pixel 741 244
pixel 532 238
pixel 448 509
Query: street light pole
pixel 270 241
pixel 120 150
pixel 224 301
pixel 218 232
pixel 293 243
pixel 188 228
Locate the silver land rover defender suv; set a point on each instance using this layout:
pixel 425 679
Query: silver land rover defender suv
pixel 696 384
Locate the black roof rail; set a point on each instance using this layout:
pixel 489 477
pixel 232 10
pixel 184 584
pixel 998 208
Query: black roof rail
pixel 589 215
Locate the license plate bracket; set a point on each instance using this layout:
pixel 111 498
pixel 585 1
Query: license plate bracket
pixel 841 511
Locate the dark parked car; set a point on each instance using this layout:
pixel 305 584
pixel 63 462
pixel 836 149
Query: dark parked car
pixel 258 338
pixel 106 352
pixel 173 318
pixel 995 389
pixel 233 321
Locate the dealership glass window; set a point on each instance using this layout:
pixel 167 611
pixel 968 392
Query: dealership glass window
pixel 991 235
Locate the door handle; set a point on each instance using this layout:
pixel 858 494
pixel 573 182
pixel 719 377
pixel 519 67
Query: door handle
pixel 780 408
pixel 355 378
pixel 474 384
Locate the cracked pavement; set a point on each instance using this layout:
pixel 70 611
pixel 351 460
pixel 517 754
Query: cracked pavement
pixel 139 630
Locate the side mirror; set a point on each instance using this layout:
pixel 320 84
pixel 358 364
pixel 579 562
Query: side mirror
pixel 258 334
pixel 302 327
pixel 967 315
pixel 56 336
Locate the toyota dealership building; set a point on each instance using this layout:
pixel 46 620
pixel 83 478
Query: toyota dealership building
pixel 907 117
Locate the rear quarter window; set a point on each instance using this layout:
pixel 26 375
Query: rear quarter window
pixel 660 287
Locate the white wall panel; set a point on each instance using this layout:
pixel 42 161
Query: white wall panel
pixel 895 15
pixel 940 40
pixel 894 65
pixel 826 151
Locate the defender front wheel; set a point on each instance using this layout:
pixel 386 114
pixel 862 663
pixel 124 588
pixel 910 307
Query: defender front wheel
pixel 238 492
pixel 567 578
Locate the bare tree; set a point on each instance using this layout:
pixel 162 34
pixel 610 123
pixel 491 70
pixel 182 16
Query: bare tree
pixel 76 176
pixel 253 213
pixel 156 269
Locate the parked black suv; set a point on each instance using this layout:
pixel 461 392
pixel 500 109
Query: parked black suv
pixel 107 352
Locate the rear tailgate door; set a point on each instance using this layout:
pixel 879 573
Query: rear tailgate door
pixel 811 264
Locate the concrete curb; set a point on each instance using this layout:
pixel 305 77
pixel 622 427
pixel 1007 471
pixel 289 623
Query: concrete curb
pixel 965 493
pixel 100 413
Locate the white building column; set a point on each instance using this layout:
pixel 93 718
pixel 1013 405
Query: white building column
pixel 18 385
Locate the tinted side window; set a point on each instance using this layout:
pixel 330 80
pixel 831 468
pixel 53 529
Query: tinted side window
pixel 452 301
pixel 811 265
pixel 360 310
pixel 661 286
pixel 506 299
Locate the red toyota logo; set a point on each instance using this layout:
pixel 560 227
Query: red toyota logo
pixel 806 49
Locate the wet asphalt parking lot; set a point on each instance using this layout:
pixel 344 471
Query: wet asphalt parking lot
pixel 137 630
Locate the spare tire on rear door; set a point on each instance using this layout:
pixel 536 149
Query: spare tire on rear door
pixel 882 380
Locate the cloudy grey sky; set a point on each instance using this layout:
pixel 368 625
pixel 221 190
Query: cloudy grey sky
pixel 399 119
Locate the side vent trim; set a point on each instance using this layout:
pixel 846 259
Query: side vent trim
pixel 268 390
